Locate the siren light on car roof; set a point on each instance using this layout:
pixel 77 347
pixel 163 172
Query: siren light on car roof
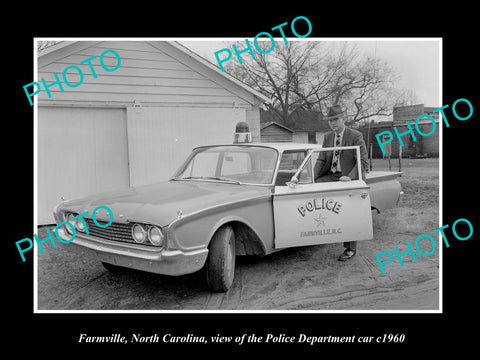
pixel 242 133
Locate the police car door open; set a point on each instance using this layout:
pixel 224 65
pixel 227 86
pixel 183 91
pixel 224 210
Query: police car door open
pixel 311 213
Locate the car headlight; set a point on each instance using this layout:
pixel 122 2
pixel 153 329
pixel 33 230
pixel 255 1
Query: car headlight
pixel 155 236
pixel 139 233
pixel 79 225
pixel 69 217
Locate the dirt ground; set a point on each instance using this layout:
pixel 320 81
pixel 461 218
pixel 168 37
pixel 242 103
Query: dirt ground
pixel 304 278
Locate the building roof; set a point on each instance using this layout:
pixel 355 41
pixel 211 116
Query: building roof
pixel 280 146
pixel 300 120
pixel 411 112
pixel 204 61
pixel 275 123
pixel 47 55
pixel 309 120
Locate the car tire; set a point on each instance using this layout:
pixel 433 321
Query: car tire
pixel 220 267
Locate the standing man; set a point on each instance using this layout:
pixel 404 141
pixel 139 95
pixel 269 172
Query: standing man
pixel 341 165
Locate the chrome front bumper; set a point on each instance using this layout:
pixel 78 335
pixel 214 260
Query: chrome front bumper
pixel 159 261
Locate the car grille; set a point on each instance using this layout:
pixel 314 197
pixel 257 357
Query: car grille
pixel 115 232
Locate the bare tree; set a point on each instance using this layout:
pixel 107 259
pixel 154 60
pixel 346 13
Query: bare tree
pixel 313 75
pixel 285 75
pixel 407 97
pixel 45 44
pixel 363 85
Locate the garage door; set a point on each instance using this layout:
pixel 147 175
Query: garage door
pixel 80 151
pixel 160 138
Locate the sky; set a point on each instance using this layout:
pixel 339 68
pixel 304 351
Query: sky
pixel 416 61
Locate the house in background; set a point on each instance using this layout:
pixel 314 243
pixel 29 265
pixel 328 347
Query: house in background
pixel 303 127
pixel 275 132
pixel 134 125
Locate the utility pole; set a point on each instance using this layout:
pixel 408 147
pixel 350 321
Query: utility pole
pixel 399 158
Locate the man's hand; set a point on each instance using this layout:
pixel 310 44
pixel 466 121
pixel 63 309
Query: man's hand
pixel 345 178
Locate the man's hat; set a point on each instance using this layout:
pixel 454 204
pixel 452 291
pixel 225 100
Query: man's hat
pixel 333 112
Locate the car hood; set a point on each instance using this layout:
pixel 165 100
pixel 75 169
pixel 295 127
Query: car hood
pixel 160 203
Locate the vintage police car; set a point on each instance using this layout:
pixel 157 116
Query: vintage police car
pixel 225 201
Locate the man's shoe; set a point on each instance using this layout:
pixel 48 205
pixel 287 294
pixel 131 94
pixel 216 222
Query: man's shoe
pixel 347 254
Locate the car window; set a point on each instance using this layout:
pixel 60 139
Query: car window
pixel 291 160
pixel 202 165
pixel 305 175
pixel 235 162
pixel 343 159
pixel 289 164
pixel 244 164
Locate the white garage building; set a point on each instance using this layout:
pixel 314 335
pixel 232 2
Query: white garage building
pixel 131 126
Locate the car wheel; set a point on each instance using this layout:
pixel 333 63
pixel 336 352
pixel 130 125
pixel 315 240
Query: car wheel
pixel 221 260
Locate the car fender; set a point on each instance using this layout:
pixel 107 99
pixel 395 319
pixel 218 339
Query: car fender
pixel 247 239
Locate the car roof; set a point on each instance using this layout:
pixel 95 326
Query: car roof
pixel 280 146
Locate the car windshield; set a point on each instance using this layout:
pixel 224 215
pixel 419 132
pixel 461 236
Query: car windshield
pixel 236 164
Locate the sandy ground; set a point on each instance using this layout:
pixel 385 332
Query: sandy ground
pixel 304 278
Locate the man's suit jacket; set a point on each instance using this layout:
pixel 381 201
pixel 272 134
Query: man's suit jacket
pixel 348 158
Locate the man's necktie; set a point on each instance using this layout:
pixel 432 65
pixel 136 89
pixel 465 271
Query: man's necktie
pixel 336 153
